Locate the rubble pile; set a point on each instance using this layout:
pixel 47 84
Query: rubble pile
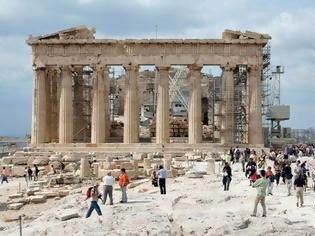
pixel 178 127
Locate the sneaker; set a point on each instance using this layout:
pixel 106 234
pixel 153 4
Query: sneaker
pixel 264 216
pixel 253 215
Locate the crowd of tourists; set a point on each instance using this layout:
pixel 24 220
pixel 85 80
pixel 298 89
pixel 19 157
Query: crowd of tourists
pixel 263 177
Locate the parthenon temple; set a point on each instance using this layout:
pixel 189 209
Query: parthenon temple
pixel 78 103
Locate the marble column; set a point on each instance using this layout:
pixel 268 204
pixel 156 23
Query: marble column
pixel 227 108
pixel 255 135
pixel 162 114
pixel 39 107
pixel 99 106
pixel 131 112
pixel 55 104
pixel 79 120
pixel 49 103
pixel 194 113
pixel 66 106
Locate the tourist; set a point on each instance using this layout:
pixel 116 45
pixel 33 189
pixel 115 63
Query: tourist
pixel 227 176
pixel 93 193
pixel 36 173
pixel 231 153
pixel 246 154
pixel 251 168
pixel 299 187
pixel 277 168
pixel 270 180
pixel 162 179
pixel 29 173
pixel 237 154
pixel 227 157
pixel 305 181
pixel 288 177
pixel 243 161
pixel 4 176
pixel 154 178
pixel 25 175
pixel 62 167
pixel 261 185
pixel 53 170
pixel 108 182
pixel 123 182
pixel 298 169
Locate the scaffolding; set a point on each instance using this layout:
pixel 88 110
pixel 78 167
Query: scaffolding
pixel 82 100
pixel 240 105
pixel 266 86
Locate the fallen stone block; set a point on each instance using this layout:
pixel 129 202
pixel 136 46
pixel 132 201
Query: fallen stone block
pixel 67 215
pixel 19 160
pixel 18 170
pixel 55 157
pixel 72 158
pixel 63 193
pixel 37 199
pixel 48 194
pixel 41 161
pixel 194 176
pixel 6 160
pixel 15 195
pixel 15 206
pixel 18 200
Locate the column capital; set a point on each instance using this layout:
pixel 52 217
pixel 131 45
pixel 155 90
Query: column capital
pixel 195 67
pixel 255 67
pixel 228 67
pixel 66 67
pixel 130 66
pixel 39 67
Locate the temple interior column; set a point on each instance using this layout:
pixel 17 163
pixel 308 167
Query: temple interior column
pixel 255 135
pixel 39 107
pixel 131 111
pixel 227 108
pixel 79 119
pixel 163 103
pixel 194 113
pixel 99 106
pixel 54 126
pixel 66 106
pixel 48 82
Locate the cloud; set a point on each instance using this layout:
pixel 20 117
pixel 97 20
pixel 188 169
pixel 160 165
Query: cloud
pixel 290 23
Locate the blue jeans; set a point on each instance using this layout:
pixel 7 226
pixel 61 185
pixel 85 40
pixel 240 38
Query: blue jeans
pixel 93 206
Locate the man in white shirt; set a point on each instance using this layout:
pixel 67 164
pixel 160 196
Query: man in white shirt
pixel 108 181
pixel 162 178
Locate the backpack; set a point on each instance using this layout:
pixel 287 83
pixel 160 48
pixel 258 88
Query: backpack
pixel 89 192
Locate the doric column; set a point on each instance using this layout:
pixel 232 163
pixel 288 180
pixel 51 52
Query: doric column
pixel 255 135
pixel 162 114
pixel 39 107
pixel 194 113
pixel 48 80
pixel 131 112
pixel 79 104
pixel 66 106
pixel 99 106
pixel 227 108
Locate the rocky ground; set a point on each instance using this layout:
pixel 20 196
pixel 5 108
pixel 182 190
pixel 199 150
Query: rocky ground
pixel 192 206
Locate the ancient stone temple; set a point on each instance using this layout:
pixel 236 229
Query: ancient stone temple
pixel 61 113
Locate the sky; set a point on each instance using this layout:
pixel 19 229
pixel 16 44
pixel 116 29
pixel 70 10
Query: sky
pixel 291 24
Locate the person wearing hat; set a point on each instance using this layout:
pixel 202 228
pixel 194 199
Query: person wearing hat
pixel 108 182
